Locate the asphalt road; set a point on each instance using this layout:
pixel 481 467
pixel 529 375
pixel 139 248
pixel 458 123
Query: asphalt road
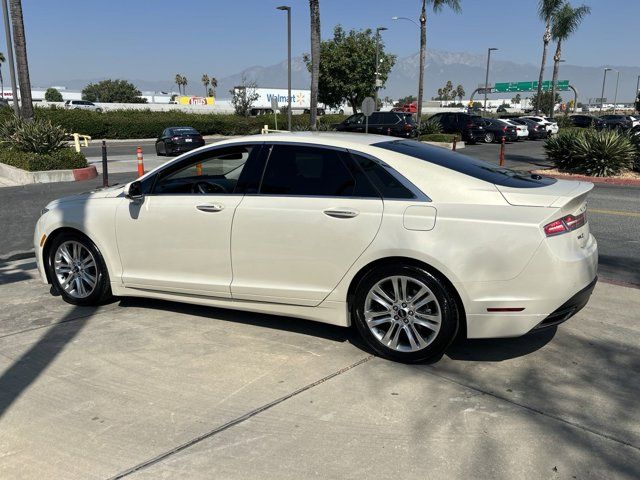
pixel 614 211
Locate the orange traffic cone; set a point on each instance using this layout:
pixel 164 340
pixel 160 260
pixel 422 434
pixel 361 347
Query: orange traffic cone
pixel 140 162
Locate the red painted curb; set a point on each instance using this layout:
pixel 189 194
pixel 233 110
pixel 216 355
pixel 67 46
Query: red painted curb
pixel 623 182
pixel 86 173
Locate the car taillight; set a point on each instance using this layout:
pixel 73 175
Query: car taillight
pixel 175 139
pixel 504 129
pixel 407 127
pixel 565 224
pixel 470 125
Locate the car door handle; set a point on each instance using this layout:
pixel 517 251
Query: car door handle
pixel 208 207
pixel 341 213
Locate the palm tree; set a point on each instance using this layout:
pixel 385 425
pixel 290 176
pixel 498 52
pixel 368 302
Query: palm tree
pixel 22 65
pixel 214 84
pixel 437 6
pixel 205 82
pixel 178 81
pixel 184 85
pixel 459 92
pixel 565 22
pixel 2 60
pixel 546 11
pixel 314 9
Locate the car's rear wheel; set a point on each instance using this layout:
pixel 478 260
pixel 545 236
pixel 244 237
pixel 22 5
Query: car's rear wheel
pixel 489 137
pixel 77 271
pixel 405 313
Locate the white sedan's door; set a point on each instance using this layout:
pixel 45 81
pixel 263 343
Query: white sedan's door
pixel 295 240
pixel 178 238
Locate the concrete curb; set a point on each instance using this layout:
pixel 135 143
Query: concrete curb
pixel 622 182
pixel 23 177
pixel 448 145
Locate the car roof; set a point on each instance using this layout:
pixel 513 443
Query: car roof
pixel 334 139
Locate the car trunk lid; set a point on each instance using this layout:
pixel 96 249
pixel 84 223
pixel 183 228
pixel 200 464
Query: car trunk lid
pixel 557 194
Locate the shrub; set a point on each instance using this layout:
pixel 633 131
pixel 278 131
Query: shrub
pixel 430 127
pixel 52 95
pixel 564 121
pixel 149 124
pixel 63 159
pixel 599 154
pixel 634 138
pixel 37 136
pixel 112 91
pixel 439 137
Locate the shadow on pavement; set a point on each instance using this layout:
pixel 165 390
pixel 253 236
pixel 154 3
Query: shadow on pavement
pixel 614 266
pixel 15 273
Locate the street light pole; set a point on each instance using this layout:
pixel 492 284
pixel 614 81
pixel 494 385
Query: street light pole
pixel 288 10
pixel 615 95
pixel 604 80
pixel 418 110
pixel 486 81
pixel 10 58
pixel 375 91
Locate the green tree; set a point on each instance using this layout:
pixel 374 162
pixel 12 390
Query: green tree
pixel 178 82
pixel 565 22
pixel 406 100
pixel 638 102
pixel 314 10
pixel 545 103
pixel 459 92
pixel 243 96
pixel 112 91
pixel 22 64
pixel 516 99
pixel 52 95
pixel 546 11
pixel 437 6
pixel 205 81
pixel 347 67
pixel 213 81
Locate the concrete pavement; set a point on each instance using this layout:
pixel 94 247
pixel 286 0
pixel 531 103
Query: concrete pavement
pixel 151 389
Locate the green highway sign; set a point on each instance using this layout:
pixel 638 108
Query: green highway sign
pixel 529 86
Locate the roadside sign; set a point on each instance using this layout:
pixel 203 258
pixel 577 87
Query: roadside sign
pixel 561 85
pixel 368 107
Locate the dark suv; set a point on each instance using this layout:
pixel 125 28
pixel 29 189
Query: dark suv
pixel 468 126
pixel 397 124
pixel 616 122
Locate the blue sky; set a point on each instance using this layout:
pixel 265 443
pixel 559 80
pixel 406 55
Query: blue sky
pixel 144 39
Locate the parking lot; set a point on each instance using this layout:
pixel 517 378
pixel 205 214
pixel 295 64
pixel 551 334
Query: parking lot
pixel 151 389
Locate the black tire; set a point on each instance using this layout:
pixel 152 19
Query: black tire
pixel 158 152
pixel 489 137
pixel 445 301
pixel 101 293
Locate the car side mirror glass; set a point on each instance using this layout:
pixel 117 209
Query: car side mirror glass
pixel 133 191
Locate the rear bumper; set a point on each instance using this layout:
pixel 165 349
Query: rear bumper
pixel 569 308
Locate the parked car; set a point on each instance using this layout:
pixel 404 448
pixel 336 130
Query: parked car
pixel 550 127
pixel 411 243
pixel 522 131
pixel 495 130
pixel 617 122
pixel 81 105
pixel 406 108
pixel 585 121
pixel 536 131
pixel 177 140
pixel 397 124
pixel 468 126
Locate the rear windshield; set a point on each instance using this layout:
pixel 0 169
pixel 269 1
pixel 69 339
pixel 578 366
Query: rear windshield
pixel 467 165
pixel 184 131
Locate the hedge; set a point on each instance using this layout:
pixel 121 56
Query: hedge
pixel 150 124
pixel 64 159
pixel 439 137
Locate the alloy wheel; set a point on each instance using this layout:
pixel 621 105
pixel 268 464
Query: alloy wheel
pixel 402 313
pixel 76 269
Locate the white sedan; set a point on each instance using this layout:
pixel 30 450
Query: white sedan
pixel 521 130
pixel 551 126
pixel 411 243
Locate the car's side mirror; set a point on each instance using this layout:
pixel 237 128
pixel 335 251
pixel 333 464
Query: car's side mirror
pixel 133 191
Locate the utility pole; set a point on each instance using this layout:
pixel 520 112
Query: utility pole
pixel 377 75
pixel 486 80
pixel 423 53
pixel 288 10
pixel 604 80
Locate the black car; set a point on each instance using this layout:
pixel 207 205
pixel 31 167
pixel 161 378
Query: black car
pixel 495 130
pixel 177 140
pixel 397 124
pixel 536 130
pixel 616 122
pixel 468 126
pixel 585 121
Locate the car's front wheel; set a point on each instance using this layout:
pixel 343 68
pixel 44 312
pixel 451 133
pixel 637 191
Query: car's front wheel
pixel 405 313
pixel 77 271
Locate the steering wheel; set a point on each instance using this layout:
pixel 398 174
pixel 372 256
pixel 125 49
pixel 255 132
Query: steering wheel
pixel 206 188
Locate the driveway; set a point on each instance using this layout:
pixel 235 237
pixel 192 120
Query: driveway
pixel 152 389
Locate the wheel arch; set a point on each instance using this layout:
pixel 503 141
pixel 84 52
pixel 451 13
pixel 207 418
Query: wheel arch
pixel 399 260
pixel 46 248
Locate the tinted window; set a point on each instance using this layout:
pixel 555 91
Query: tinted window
pixel 213 172
pixel 184 131
pixel 300 170
pixel 355 119
pixel 377 117
pixel 381 177
pixel 466 165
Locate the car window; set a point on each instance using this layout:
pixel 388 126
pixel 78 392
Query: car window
pixel 466 165
pixel 302 170
pixel 381 176
pixel 356 119
pixel 377 117
pixel 213 172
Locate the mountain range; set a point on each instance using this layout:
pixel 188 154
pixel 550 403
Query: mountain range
pixel 459 67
